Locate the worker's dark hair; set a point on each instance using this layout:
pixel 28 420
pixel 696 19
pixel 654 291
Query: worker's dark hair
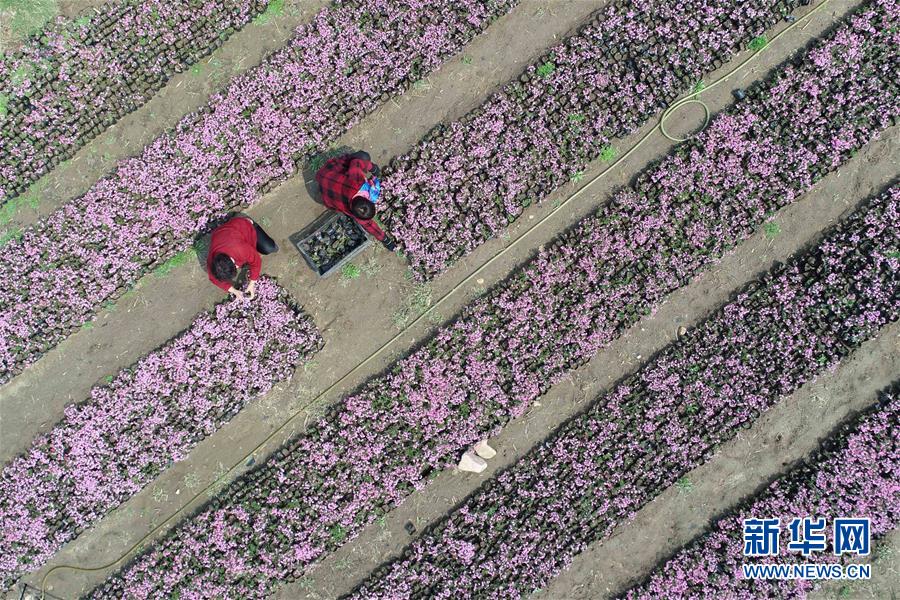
pixel 362 208
pixel 223 267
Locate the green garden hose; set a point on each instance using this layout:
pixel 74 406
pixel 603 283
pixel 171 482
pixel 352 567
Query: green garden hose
pixel 692 98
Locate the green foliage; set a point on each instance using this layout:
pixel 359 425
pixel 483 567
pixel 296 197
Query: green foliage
pixel 275 9
pixel 337 533
pixel 466 60
pixel 684 484
pixel 546 69
pixel 8 236
pixel 576 117
pixel 25 17
pixel 4 105
pixel 317 161
pixel 577 176
pixel 31 198
pixel 698 87
pixel 608 153
pixel 176 261
pixel 20 74
pixel 350 271
pixel 382 403
pixel 758 43
pixel 771 229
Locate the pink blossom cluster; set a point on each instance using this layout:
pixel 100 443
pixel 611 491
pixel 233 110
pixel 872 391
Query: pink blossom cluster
pixel 463 186
pixel 524 526
pixel 152 413
pixel 506 348
pixel 77 77
pixel 352 57
pixel 856 474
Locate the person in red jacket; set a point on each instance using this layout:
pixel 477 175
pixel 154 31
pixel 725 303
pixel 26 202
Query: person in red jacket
pixel 345 181
pixel 233 244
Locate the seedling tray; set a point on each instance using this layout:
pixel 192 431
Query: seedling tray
pixel 329 242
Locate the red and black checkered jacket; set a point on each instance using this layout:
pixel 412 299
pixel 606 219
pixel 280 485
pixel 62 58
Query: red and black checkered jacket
pixel 339 179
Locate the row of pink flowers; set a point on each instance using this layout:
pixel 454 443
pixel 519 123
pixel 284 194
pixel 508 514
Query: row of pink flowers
pixel 79 76
pixel 347 61
pixel 855 475
pixel 520 529
pixel 463 186
pixel 152 413
pixel 506 348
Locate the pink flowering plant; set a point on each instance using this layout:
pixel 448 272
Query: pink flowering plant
pixel 506 348
pixel 856 474
pixel 523 527
pixel 79 76
pixel 351 58
pixel 540 131
pixel 152 413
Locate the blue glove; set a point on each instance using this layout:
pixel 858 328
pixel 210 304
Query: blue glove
pixel 373 189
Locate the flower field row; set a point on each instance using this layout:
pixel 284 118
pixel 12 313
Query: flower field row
pixel 524 526
pixel 855 474
pixel 540 131
pixel 111 445
pixel 505 349
pixel 74 79
pixel 352 57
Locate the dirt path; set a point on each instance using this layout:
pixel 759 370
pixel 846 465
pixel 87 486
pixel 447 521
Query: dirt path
pixel 162 306
pixel 885 582
pixel 183 94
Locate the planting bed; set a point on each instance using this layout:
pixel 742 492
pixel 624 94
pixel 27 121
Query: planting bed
pixel 77 77
pixel 507 348
pixel 250 137
pixel 131 428
pixel 523 527
pixel 540 132
pixel 856 473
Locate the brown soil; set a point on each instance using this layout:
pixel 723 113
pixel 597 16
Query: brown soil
pixel 357 316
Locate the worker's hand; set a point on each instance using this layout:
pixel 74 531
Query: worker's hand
pixel 238 294
pixel 251 289
pixel 389 243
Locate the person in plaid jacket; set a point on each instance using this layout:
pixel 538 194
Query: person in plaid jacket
pixel 349 185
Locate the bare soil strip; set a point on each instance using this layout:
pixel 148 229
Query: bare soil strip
pixel 885 582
